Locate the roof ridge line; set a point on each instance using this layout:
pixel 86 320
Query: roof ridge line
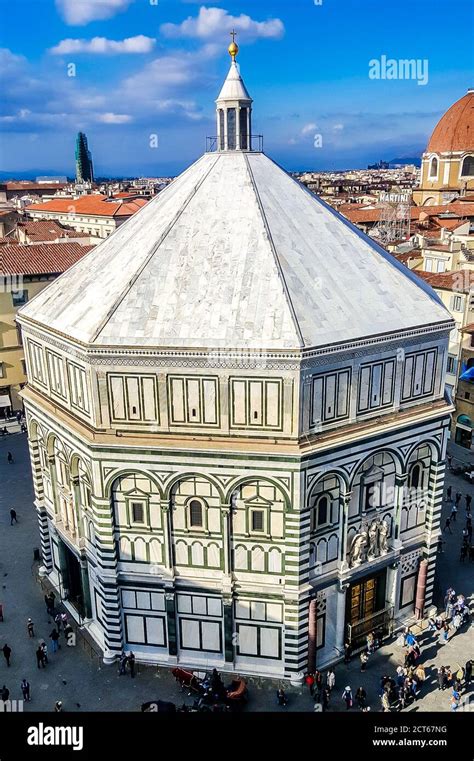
pixel 275 253
pixel 149 256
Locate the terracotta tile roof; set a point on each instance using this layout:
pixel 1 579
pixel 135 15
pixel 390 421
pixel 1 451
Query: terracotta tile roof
pixel 40 259
pixel 449 224
pixel 42 229
pixel 93 205
pixel 407 255
pixel 359 216
pixel 437 247
pixel 28 185
pixel 456 280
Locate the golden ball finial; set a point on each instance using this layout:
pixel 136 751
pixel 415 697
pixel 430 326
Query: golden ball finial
pixel 233 47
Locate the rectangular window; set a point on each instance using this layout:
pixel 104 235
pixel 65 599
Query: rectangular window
pixel 329 400
pixel 2 370
pixel 257 520
pixel 419 374
pixel 452 364
pixel 138 512
pixel 457 304
pixel 19 298
pixel 256 403
pixel 259 641
pixel 376 385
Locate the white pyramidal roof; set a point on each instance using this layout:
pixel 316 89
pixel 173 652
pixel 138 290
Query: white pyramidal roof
pixel 235 253
pixel 233 87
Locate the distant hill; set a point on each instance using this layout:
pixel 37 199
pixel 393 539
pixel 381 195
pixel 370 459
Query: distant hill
pixel 406 160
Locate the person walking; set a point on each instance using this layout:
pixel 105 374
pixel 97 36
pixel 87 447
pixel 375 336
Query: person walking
pixel 58 706
pixel 449 458
pixel 9 458
pixel 445 632
pixel 44 648
pixel 25 688
pixel 30 628
pixel 13 517
pixel 281 698
pixel 131 664
pixel 7 652
pixel 458 498
pixel 123 664
pixel 439 547
pixel 455 700
pixel 442 678
pixel 4 694
pixel 347 652
pixel 468 499
pixel 447 525
pixel 454 511
pixel 364 657
pixel 40 657
pixel 361 698
pixel 347 697
pixel 331 680
pixel 449 494
pixel 57 621
pixel 318 682
pixel 309 681
pixel 385 700
pixel 54 637
pixel 324 699
pixel 468 673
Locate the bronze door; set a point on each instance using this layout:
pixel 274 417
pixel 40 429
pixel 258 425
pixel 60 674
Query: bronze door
pixel 363 599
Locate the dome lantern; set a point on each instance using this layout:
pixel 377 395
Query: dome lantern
pixel 234 108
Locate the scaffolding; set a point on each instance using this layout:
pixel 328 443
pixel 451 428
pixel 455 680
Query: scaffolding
pixel 395 217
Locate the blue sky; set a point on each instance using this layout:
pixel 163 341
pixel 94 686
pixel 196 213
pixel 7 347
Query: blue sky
pixel 154 67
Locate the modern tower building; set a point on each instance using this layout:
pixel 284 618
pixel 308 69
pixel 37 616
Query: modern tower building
pixel 84 167
pixel 237 423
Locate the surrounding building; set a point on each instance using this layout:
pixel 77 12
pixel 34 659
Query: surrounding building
pixel 237 423
pixel 50 231
pixel 94 214
pixel 447 168
pixel 24 272
pixel 456 290
pixel 84 166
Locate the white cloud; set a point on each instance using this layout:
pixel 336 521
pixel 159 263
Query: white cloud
pixel 308 128
pixel 111 118
pixel 338 127
pixel 103 46
pixel 212 22
pixel 81 12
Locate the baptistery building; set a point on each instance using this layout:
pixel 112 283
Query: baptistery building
pixel 237 423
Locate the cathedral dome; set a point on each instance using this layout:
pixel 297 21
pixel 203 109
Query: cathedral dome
pixel 455 129
pixel 235 253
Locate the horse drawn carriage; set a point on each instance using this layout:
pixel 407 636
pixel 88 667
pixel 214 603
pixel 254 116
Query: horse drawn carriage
pixel 210 691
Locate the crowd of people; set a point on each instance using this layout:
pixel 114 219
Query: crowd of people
pixel 62 629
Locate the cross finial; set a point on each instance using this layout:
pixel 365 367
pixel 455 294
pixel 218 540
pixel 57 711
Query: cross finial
pixel 233 47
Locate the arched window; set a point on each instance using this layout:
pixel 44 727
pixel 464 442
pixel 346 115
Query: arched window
pixel 195 514
pixel 231 129
pixel 415 475
pixel 434 167
pixel 321 515
pixel 467 169
pixel 221 129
